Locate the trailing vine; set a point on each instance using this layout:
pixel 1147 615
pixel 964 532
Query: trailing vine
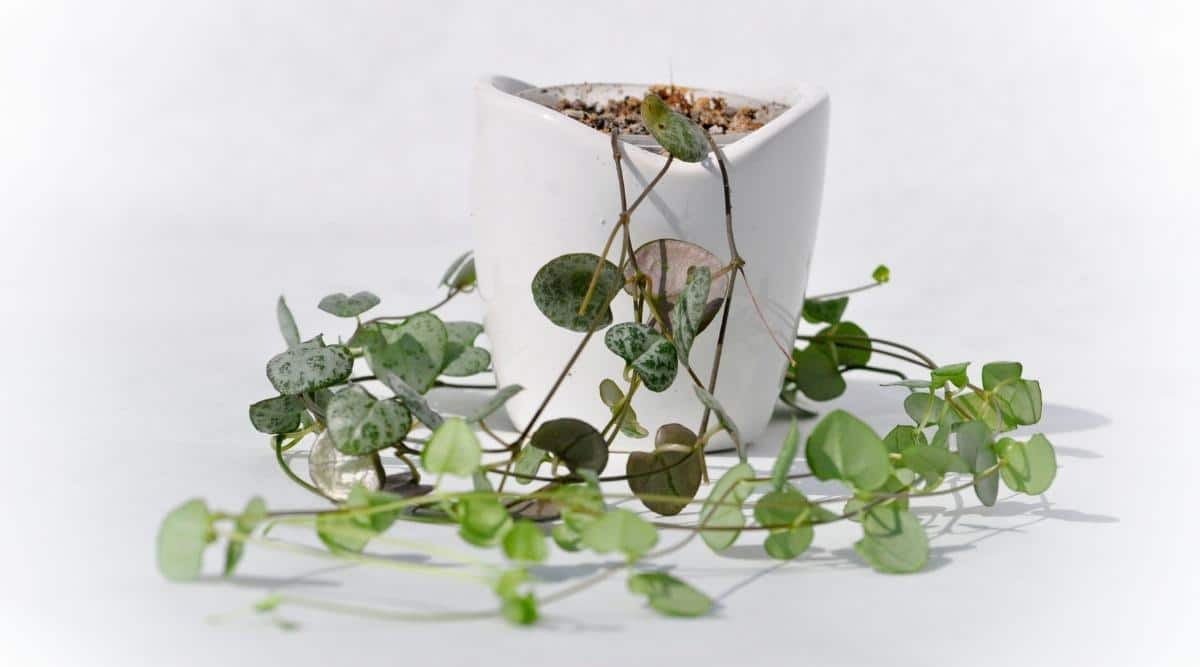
pixel 957 439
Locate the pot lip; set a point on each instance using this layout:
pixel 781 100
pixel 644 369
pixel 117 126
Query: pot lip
pixel 803 99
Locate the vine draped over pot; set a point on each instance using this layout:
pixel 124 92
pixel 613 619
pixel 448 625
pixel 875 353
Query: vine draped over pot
pixel 680 291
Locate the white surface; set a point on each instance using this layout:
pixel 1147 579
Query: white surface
pixel 1028 170
pixel 543 185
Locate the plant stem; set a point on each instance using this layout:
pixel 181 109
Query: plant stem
pixel 294 477
pixel 383 318
pixel 845 292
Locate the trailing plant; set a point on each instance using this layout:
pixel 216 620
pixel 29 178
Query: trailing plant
pixel 958 437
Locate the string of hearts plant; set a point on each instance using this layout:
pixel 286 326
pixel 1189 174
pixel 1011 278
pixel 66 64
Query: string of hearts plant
pixel 679 291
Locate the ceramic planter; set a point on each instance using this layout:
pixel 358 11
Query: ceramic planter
pixel 544 185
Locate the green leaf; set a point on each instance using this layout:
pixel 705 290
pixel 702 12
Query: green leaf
pixel 520 609
pixel 565 537
pixel 620 530
pixel 816 374
pixel 577 443
pixel 911 384
pixel 829 311
pixel 785 458
pixel 529 460
pixel 525 542
pixel 781 508
pixel 902 437
pixel 723 418
pixel 335 473
pixel 675 132
pixel 924 408
pixel 493 404
pixel 560 286
pixel 788 544
pixel 1020 402
pixel 581 503
pixel 1000 371
pixel 350 532
pixel 722 508
pixel 974 440
pixel 612 396
pixel 461 273
pixel 669 595
pixel 415 350
pixel 483 520
pixel 980 410
pixel 881 274
pixel 462 357
pixel 955 374
pixel 361 424
pixel 309 366
pixel 687 317
pixel 931 463
pixel 893 540
pixel 412 400
pixel 841 342
pixel 1029 467
pixel 244 525
pixel 452 449
pixel 651 356
pixel 280 414
pixel 844 447
pixel 672 469
pixel 348 306
pixel 287 323
pixel 182 537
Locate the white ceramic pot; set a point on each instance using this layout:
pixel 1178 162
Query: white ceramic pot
pixel 544 185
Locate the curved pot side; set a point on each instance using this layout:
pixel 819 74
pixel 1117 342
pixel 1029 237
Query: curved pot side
pixel 544 185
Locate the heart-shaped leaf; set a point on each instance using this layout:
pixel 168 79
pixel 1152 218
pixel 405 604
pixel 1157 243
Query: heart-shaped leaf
pixel 335 473
pixel 560 287
pixel 652 356
pixel 1029 467
pixel 670 596
pixel 525 542
pixel 688 315
pixel 672 469
pixel 721 513
pixel 816 374
pixel 309 366
pixel 348 306
pixel 280 414
pixel 893 540
pixel 415 350
pixel 361 424
pixel 673 131
pixel 1000 371
pixel 845 343
pixel 1020 402
pixel 620 530
pixel 666 263
pixel 846 448
pixel 575 442
pixel 828 311
pixel 452 449
pixel 462 357
pixel 955 374
pixel 182 537
pixel 415 402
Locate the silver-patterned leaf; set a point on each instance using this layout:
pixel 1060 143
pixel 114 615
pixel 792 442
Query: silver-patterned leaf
pixel 361 424
pixel 651 356
pixel 287 323
pixel 309 366
pixel 348 306
pixel 462 357
pixel 412 400
pixel 687 318
pixel 280 414
pixel 461 273
pixel 335 473
pixel 713 404
pixel 560 286
pixel 415 350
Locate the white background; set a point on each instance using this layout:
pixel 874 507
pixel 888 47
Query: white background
pixel 1027 169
